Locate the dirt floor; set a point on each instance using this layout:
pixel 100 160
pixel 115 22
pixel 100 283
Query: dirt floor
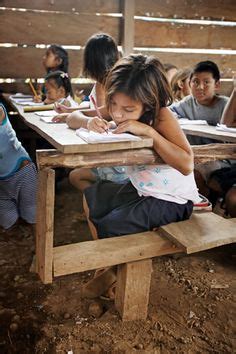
pixel 191 309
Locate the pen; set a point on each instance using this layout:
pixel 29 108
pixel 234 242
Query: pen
pixel 32 88
pixel 97 110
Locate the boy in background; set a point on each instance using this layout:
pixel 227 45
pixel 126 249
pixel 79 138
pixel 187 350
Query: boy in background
pixel 203 103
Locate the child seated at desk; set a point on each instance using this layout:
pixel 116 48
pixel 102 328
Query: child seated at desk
pixel 100 54
pixel 223 181
pixel 59 88
pixel 203 104
pixel 54 59
pixel 18 177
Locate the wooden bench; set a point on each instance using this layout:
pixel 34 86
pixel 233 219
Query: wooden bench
pixel 133 254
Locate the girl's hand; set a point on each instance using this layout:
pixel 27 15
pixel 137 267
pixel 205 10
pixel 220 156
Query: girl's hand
pixel 60 118
pixel 134 127
pixel 61 108
pixel 98 125
pixel 37 99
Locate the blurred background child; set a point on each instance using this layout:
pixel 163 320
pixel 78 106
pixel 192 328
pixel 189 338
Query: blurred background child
pixel 180 84
pixel 170 70
pixel 58 88
pixel 18 178
pixel 55 58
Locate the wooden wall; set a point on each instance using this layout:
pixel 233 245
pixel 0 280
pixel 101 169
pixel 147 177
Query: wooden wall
pixel 26 23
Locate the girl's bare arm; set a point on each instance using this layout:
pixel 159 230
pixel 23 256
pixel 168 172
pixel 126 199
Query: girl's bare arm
pixel 229 114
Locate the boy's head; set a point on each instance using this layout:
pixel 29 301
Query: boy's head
pixel 205 81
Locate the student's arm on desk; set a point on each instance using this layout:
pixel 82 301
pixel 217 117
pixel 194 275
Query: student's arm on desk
pixel 229 114
pixel 82 119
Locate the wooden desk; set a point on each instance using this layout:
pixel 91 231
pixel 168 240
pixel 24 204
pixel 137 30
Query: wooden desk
pixel 74 152
pixel 208 131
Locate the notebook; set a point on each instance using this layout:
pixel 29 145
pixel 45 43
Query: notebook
pixel 223 127
pixel 94 138
pixel 185 121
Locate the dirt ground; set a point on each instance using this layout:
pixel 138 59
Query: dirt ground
pixel 191 308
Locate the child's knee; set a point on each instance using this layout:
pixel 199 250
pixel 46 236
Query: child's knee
pixel 230 201
pixel 74 176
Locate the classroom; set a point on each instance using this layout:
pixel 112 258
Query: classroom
pixel 75 276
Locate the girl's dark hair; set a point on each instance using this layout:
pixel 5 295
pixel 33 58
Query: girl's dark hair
pixel 143 79
pixel 100 54
pixel 206 66
pixel 62 54
pixel 61 79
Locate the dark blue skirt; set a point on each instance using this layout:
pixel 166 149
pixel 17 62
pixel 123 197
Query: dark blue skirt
pixel 117 209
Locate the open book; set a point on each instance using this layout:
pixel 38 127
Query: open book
pixel 46 116
pixel 94 138
pixel 224 128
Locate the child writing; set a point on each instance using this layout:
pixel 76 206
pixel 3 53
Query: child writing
pixel 18 177
pixel 100 54
pixel 58 87
pixel 137 95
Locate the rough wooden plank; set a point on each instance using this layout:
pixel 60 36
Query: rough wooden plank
pixel 197 9
pixel 208 131
pixel 201 232
pixel 175 35
pixel 128 26
pixel 85 256
pixel 202 153
pixel 41 28
pixel 29 62
pixel 44 225
pixel 226 62
pixel 132 290
pixel 89 6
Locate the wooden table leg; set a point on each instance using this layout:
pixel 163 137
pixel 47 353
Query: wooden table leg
pixel 132 291
pixel 45 224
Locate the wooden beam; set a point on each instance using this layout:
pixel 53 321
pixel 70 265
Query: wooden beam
pixel 128 26
pixel 85 256
pixel 202 153
pixel 45 224
pixel 132 289
pixel 201 232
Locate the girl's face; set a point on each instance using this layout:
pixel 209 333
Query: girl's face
pixel 54 93
pixel 50 60
pixel 123 108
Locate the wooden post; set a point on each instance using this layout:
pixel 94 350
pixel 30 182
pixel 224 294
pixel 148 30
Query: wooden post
pixel 132 291
pixel 45 224
pixel 128 26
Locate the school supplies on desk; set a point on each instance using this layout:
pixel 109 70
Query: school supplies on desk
pixel 46 116
pixel 94 138
pixel 32 88
pixel 185 121
pixel 97 110
pixel 44 107
pixel 224 128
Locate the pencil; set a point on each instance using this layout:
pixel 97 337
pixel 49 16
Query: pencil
pixel 97 110
pixel 32 88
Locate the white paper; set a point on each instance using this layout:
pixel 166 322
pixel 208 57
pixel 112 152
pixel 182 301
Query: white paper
pixel 93 137
pixel 51 113
pixel 224 128
pixel 185 121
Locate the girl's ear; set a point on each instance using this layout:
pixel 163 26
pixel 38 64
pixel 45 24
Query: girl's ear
pixel 62 91
pixel 217 85
pixel 180 84
pixel 58 60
